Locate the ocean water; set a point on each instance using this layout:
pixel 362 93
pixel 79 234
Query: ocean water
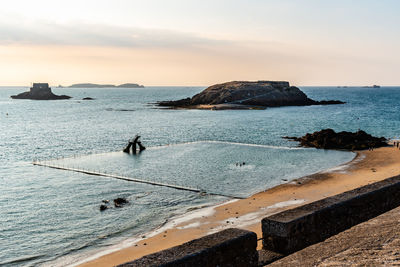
pixel 51 217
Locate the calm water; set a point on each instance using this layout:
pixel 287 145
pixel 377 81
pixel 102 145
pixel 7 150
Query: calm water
pixel 51 216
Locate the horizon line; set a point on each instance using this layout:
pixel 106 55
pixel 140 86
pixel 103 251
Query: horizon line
pixel 193 85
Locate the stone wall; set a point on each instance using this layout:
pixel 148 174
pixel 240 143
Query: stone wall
pixel 295 229
pixel 228 248
pixel 40 88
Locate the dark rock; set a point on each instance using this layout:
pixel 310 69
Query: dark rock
pixel 49 96
pixel 176 103
pixel 260 93
pixel 40 91
pixel 120 109
pixel 103 207
pixel 105 201
pixel 87 98
pixel 329 102
pixel 119 202
pixel 329 139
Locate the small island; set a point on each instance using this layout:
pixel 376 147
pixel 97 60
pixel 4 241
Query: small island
pixel 247 95
pixel 40 91
pixel 93 85
pixel 373 86
pixel 329 139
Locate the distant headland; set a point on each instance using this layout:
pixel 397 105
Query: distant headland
pixel 365 86
pixel 40 91
pixel 247 95
pixel 373 86
pixel 93 85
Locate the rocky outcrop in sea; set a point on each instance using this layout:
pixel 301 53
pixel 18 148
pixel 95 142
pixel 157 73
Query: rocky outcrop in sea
pixel 329 139
pixel 249 94
pixel 40 91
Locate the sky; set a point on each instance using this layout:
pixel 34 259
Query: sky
pixel 187 42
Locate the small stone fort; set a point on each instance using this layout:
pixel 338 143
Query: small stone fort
pixel 40 91
pixel 40 88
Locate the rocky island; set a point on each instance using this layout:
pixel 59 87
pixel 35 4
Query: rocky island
pixel 93 85
pixel 40 91
pixel 329 139
pixel 247 95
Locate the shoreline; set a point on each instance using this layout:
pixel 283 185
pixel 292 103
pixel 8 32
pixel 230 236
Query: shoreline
pixel 217 107
pixel 366 167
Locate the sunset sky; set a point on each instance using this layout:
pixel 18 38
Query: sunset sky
pixel 184 42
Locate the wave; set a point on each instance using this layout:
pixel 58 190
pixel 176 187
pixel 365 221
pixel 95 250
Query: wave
pixel 22 259
pixel 228 143
pixel 179 144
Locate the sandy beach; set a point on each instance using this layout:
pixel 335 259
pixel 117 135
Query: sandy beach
pixel 367 167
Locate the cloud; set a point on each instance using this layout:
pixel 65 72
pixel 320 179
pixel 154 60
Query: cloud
pixel 78 33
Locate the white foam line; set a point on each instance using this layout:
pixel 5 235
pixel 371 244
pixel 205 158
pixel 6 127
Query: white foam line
pixel 360 158
pixel 254 217
pixel 179 144
pixel 285 204
pixel 343 168
pixel 229 143
pixel 340 169
pixel 178 220
pixel 191 225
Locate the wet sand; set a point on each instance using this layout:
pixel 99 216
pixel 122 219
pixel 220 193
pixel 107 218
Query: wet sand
pixel 367 167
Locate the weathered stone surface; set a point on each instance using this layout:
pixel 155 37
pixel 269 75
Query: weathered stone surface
pixel 295 229
pixel 372 243
pixel 260 93
pixel 266 256
pixel 329 139
pixel 228 248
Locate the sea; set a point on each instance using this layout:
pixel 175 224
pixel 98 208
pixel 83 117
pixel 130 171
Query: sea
pixel 51 217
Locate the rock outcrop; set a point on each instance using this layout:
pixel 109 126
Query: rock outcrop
pixel 329 139
pixel 119 202
pixel 260 93
pixel 40 91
